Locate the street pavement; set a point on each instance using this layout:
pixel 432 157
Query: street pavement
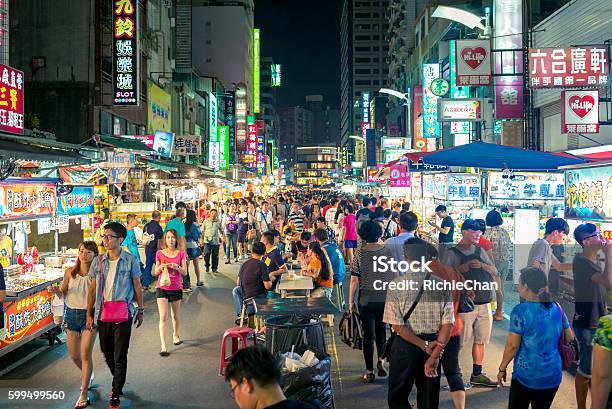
pixel 188 377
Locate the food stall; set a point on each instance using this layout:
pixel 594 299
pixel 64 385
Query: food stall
pixel 27 210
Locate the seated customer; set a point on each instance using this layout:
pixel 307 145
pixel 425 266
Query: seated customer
pixel 254 377
pixel 253 279
pixel 319 268
pixel 300 248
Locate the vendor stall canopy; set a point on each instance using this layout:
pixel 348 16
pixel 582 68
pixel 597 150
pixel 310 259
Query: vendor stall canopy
pixel 492 156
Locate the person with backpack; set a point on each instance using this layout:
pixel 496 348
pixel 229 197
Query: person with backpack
pixel 389 225
pixel 533 343
pixel 230 224
pixel 264 218
pixel 192 236
pixel 474 264
pixel 151 239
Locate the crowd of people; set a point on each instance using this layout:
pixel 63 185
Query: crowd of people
pixel 416 333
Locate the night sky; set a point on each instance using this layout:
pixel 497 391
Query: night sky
pixel 304 37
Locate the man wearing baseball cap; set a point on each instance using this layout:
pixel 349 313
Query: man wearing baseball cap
pixel 471 261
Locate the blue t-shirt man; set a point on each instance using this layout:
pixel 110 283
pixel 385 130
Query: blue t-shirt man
pixel 178 225
pixel 131 243
pixel 537 364
pixel 337 261
pixel 274 262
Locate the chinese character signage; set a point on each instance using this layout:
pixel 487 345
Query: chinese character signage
pixel 187 145
pixel 212 116
pixel 459 109
pixel 420 166
pixel 118 160
pixel 588 194
pixel 241 118
pixel 456 92
pixel 473 62
pixel 431 127
pixel 365 107
pixel 463 186
pixel 276 74
pixel 399 176
pixel 27 200
pixel 251 149
pixel 160 109
pixel 419 142
pixel 126 74
pixel 568 67
pixel 11 100
pixel 79 201
pixel 230 121
pixel 213 155
pixel 163 143
pixel 256 71
pixel 526 186
pixel 27 317
pixel 223 132
pixel 508 22
pixel 579 112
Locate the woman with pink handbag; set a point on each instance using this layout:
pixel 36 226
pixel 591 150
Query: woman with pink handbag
pixel 114 290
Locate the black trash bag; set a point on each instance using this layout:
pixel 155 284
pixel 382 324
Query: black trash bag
pixel 312 383
pixel 283 333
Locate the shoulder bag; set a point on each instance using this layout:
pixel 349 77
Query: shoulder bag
pixel 565 348
pixel 387 351
pixel 112 311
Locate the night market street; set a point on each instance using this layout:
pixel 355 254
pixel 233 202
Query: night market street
pixel 188 377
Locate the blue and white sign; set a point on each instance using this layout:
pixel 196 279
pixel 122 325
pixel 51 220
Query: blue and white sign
pixel 79 201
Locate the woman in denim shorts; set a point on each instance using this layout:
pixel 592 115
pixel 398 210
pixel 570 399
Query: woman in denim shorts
pixel 74 289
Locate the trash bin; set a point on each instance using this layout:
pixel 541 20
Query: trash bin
pixel 283 332
pixel 311 383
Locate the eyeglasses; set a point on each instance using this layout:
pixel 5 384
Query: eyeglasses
pixel 232 391
pixel 108 237
pixel 596 234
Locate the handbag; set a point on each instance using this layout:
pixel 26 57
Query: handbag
pixel 164 280
pixel 112 311
pixel 251 234
pixel 565 348
pixel 389 344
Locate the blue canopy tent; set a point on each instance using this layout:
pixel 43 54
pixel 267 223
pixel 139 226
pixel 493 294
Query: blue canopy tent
pixel 492 156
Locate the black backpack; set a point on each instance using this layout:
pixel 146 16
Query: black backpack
pixel 476 275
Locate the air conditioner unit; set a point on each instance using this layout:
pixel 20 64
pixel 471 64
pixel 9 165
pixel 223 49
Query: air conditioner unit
pixel 173 63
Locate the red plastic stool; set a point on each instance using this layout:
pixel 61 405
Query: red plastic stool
pixel 236 333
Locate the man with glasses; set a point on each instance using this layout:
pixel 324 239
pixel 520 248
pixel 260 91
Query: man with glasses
pixel 254 377
pixel 115 277
pixel 591 282
pixel 541 253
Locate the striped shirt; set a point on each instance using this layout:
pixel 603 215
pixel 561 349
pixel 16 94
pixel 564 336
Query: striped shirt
pixel 368 272
pixel 298 221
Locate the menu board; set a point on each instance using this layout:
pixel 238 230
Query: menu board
pixel 27 200
pixel 26 317
pixel 463 186
pixel 526 186
pixel 588 193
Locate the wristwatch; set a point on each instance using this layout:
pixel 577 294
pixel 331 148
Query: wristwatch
pixel 426 346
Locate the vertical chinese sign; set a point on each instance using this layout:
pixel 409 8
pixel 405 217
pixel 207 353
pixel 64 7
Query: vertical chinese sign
pixel 256 71
pixel 431 127
pixel 241 118
pixel 419 141
pixel 508 16
pixel 251 150
pixel 230 121
pixel 365 113
pixel 261 150
pixel 11 100
pixel 458 91
pixel 223 132
pixel 126 75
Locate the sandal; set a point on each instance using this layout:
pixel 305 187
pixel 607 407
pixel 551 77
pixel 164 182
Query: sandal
pixel 177 341
pixel 382 373
pixel 81 404
pixel 368 377
pixel 164 353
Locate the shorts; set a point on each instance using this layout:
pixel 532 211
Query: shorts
pixel 503 269
pixel 584 337
pixel 477 324
pixel 171 295
pixel 242 237
pixel 75 319
pixel 193 253
pixel 350 244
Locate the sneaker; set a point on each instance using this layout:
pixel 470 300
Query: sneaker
pixel 207 269
pixel 483 380
pixel 115 403
pixel 227 262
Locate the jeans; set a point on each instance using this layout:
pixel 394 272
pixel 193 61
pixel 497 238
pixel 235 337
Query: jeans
pixel 211 251
pixel 147 278
pixel 239 299
pixel 584 338
pixel 373 330
pixel 521 396
pixel 232 240
pixel 114 343
pixel 406 362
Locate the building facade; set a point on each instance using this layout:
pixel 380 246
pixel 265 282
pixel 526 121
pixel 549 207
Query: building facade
pixel 316 165
pixel 295 129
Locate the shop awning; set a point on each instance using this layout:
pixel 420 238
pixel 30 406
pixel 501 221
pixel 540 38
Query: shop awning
pixel 126 144
pixel 17 151
pixel 163 166
pixel 492 156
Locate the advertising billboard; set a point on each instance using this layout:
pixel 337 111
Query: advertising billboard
pixel 431 127
pixel 579 111
pixel 213 155
pixel 463 186
pixel 275 71
pixel 256 71
pixel 419 142
pixel 159 116
pixel 11 100
pixel 27 200
pixel 212 116
pixel 79 201
pixel 473 62
pixel 399 176
pixel 526 186
pixel 459 109
pixel 126 72
pixel 163 143
pixel 224 146
pixel 588 194
pixel 568 67
pixel 370 147
pixel 187 145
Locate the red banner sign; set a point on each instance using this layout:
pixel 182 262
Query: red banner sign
pixel 11 100
pixel 27 200
pixel 26 317
pixel 579 111
pixel 251 146
pixel 568 67
pixel 372 178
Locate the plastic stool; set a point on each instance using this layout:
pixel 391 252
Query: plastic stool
pixel 235 334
